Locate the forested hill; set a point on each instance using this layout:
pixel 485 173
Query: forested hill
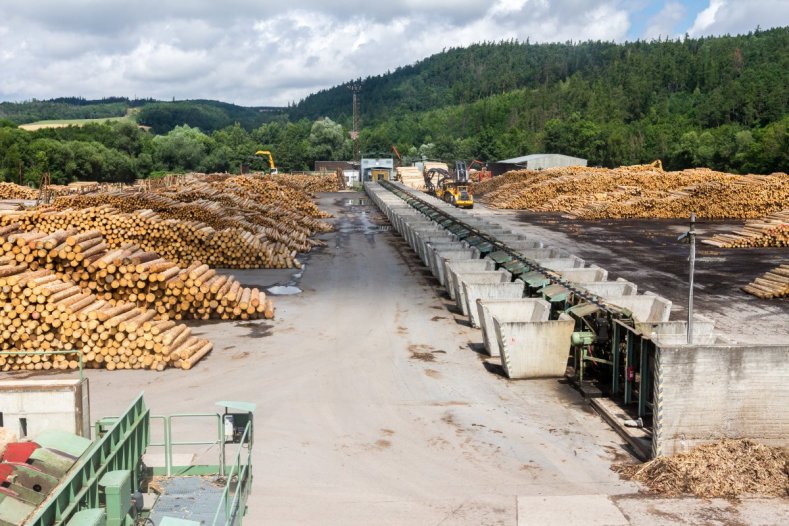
pixel 720 102
pixel 161 116
pixel 713 80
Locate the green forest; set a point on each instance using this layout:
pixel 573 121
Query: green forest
pixel 719 102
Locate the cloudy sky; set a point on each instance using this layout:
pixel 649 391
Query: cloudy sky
pixel 261 52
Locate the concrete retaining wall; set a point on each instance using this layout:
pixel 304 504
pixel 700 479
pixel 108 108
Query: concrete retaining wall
pixel 606 289
pixel 508 310
pixel 535 349
pixel 580 275
pixel 463 278
pixel 35 406
pixel 477 291
pixel 644 308
pixel 706 393
pixel 452 268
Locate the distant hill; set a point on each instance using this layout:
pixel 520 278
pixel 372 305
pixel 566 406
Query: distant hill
pixel 208 115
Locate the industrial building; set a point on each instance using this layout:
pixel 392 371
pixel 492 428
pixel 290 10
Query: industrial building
pixel 535 161
pixel 350 170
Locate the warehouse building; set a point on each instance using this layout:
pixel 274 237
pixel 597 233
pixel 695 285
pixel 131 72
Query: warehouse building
pixel 535 161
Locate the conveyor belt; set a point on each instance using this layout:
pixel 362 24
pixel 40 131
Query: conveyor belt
pixel 497 250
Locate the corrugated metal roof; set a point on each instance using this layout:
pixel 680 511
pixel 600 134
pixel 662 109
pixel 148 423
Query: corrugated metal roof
pixel 534 156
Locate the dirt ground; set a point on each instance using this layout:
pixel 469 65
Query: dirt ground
pixel 374 408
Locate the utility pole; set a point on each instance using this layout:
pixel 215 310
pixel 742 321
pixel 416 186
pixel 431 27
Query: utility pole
pixel 355 89
pixel 690 235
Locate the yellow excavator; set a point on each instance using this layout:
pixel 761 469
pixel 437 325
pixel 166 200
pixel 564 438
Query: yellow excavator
pixel 271 165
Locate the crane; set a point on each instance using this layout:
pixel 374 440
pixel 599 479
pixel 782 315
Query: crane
pixel 271 165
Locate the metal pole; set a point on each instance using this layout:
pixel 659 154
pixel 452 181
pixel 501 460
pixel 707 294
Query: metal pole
pixel 692 239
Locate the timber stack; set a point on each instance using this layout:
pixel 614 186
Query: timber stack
pixel 15 191
pixel 642 191
pixel 42 312
pixel 134 275
pixel 773 284
pixel 770 231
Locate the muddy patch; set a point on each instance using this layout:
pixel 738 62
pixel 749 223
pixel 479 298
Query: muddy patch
pixel 256 329
pixel 432 373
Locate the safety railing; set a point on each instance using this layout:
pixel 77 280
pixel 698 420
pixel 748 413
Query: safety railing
pixel 239 475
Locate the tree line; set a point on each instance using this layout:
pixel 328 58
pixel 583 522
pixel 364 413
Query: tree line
pixel 122 151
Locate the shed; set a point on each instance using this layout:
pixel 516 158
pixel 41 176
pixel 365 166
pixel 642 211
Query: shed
pixel 535 161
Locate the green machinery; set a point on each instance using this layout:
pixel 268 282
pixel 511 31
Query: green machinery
pixel 609 355
pixel 76 482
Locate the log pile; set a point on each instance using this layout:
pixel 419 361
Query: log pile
pixel 770 231
pixel 773 284
pixel 42 312
pixel 225 221
pixel 183 242
pixel 134 275
pixel 643 191
pixel 411 176
pixel 311 184
pixel 15 191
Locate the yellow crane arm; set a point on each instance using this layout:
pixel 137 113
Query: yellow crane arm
pixel 266 153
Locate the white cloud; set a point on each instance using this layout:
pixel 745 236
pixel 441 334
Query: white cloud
pixel 263 52
pixel 665 22
pixel 739 16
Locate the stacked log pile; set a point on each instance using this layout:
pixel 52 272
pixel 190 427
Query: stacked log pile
pixel 311 184
pixel 134 275
pixel 15 191
pixel 644 191
pixel 773 284
pixel 411 176
pixel 232 222
pixel 183 242
pixel 42 312
pixel 770 231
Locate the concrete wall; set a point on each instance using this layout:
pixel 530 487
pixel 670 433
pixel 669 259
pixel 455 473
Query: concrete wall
pixel 647 308
pixel 523 309
pixel 706 393
pixel 476 291
pixel 492 276
pixel 45 404
pixel 535 349
pixel 470 265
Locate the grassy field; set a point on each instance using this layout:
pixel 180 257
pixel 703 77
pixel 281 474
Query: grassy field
pixel 32 126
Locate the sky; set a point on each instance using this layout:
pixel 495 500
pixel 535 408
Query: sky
pixel 271 53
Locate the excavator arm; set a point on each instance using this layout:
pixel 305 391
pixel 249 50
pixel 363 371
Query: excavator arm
pixel 270 158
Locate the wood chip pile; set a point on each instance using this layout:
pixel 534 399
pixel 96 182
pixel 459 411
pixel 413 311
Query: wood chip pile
pixel 15 191
pixel 770 231
pixel 725 469
pixel 772 284
pixel 642 191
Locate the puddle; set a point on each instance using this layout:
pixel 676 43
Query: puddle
pixel 357 202
pixel 283 290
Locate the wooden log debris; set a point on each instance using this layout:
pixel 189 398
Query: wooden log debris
pixel 772 284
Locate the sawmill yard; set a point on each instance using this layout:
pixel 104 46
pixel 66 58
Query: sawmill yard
pixel 376 402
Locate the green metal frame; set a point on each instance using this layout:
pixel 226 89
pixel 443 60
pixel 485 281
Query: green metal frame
pixel 121 447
